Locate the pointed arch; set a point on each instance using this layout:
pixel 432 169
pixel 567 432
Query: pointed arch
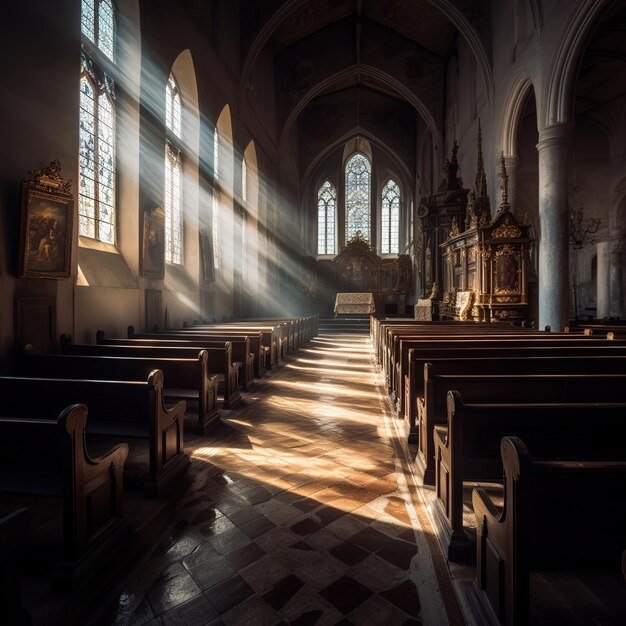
pixel 223 194
pixel 447 8
pixel 372 72
pixel 513 114
pixel 181 180
pixel 250 230
pixel 559 108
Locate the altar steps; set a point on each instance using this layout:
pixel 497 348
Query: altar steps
pixel 354 324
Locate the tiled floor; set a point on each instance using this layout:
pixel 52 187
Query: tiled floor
pixel 310 518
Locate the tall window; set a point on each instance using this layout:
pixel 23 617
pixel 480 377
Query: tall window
pixel 216 200
pixel 326 204
pixel 96 177
pixel 173 175
pixel 358 182
pixel 390 218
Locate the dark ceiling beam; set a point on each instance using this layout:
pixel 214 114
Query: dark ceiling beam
pixel 446 7
pixel 402 90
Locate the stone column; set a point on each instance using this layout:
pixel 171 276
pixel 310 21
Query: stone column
pixel 553 148
pixel 603 285
pixel 616 277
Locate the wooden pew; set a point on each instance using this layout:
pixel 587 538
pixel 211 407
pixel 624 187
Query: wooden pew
pixel 241 348
pixel 48 457
pixel 128 409
pixel 390 346
pixel 467 448
pixel 518 360
pixel 557 515
pixel 382 327
pixel 297 331
pixel 396 359
pixel 254 336
pixel 300 330
pixel 271 338
pixel 186 378
pixel 13 528
pixel 220 360
pixel 494 341
pixel 503 388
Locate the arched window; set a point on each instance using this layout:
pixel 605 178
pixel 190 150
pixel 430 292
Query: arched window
pixel 96 152
pixel 390 218
pixel 326 205
pixel 216 200
pixel 358 183
pixel 173 199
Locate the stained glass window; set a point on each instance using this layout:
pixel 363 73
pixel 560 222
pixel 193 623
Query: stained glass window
pixel 173 206
pixel 87 20
pixel 96 180
pixel 326 204
pixel 358 182
pixel 173 108
pixel 173 202
pixel 390 218
pixel 106 28
pixel 97 23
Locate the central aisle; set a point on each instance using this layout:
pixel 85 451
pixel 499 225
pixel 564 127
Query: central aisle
pixel 312 517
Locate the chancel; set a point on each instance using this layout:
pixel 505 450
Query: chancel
pixel 313 312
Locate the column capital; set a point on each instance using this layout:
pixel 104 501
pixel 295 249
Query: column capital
pixel 555 134
pixel 511 161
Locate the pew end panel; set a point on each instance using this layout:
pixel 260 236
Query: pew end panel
pixel 449 484
pixel 168 461
pixel 545 525
pixel 91 489
pixel 501 590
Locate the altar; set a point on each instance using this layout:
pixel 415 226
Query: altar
pixel 355 303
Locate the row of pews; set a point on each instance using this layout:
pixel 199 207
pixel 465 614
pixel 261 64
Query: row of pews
pixel 69 420
pixel 537 422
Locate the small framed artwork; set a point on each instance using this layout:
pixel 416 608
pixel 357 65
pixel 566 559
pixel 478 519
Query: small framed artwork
pixel 206 253
pixel 46 225
pixel 153 253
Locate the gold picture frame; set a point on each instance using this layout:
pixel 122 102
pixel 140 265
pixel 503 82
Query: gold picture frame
pixel 46 225
pixel 153 249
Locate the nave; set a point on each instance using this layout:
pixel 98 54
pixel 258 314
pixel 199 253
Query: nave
pixel 303 512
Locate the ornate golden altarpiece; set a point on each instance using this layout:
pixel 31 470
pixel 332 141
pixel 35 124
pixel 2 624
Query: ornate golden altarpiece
pixel 358 269
pixel 484 272
pixel 477 264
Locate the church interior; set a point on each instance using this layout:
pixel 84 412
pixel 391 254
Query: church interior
pixel 313 312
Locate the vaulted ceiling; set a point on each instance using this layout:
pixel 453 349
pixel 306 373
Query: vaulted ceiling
pixel 372 67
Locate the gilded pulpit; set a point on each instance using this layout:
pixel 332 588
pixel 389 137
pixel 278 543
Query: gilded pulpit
pixel 503 292
pixel 484 265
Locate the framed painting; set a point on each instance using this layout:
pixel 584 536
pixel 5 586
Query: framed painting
pixel 206 255
pixel 153 252
pixel 46 225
